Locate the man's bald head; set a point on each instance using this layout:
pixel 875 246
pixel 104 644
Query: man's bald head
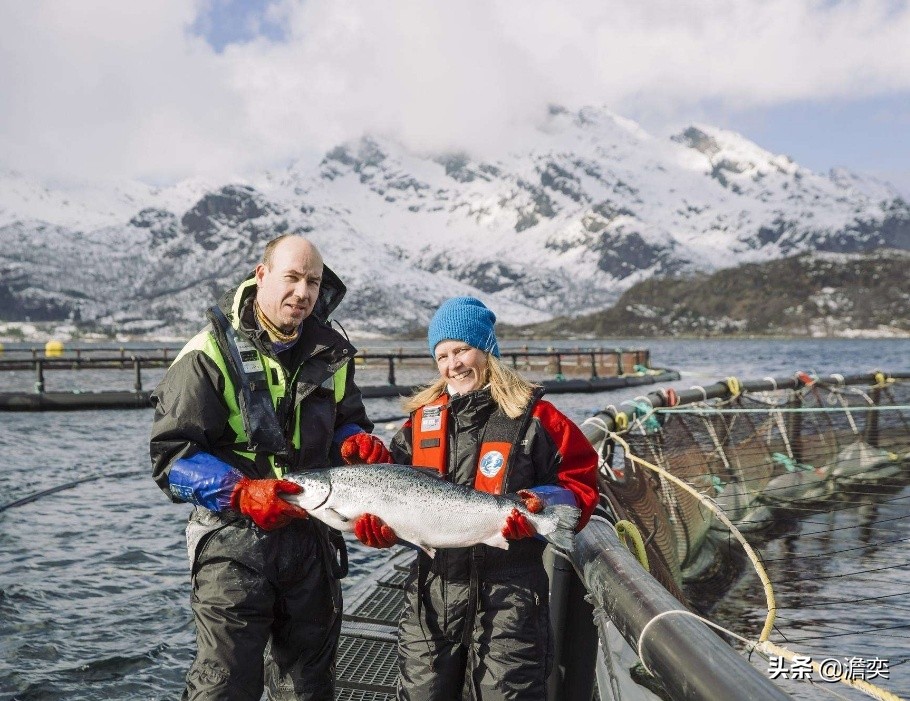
pixel 288 280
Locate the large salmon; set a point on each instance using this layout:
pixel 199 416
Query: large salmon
pixel 421 507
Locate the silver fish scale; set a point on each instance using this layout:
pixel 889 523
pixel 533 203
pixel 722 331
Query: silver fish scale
pixel 421 508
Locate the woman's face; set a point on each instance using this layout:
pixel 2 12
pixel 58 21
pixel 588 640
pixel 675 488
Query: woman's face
pixel 462 366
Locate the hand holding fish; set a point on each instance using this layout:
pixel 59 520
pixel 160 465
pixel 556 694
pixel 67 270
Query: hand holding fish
pixel 364 448
pixel 373 531
pixel 261 501
pixel 517 526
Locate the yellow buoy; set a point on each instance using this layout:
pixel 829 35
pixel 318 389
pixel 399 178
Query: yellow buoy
pixel 53 349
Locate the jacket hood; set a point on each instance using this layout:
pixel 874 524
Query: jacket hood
pixel 331 292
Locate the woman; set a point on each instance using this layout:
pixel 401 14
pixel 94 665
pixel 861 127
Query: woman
pixel 476 620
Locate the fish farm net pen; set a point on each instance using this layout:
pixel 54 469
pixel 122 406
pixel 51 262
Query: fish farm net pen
pixel 732 464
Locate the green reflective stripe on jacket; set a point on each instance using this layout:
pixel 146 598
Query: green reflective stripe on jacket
pixel 340 378
pixel 205 342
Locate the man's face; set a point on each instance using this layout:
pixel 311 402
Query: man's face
pixel 288 288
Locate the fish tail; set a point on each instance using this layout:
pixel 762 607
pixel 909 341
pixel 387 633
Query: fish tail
pixel 563 536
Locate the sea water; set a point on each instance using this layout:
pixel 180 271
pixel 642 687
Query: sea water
pixel 94 581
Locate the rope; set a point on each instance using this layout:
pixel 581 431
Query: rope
pixel 643 414
pixel 69 485
pixel 644 630
pixel 882 380
pixel 626 530
pixel 763 645
pixel 768 649
pixel 838 397
pixel 621 421
pixel 704 392
pixel 789 410
pixel 805 378
pixel 784 433
pixel 601 620
pixel 722 517
pixel 669 395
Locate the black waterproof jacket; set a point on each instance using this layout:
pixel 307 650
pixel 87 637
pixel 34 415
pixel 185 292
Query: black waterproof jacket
pixel 191 414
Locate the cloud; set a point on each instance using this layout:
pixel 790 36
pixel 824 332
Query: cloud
pixel 103 88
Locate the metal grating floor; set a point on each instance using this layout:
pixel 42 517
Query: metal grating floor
pixel 366 662
pixel 360 695
pixel 382 605
pixel 395 580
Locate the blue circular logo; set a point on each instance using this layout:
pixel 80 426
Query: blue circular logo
pixel 491 463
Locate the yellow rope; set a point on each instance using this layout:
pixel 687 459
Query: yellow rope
pixel 722 517
pixel 621 421
pixel 626 530
pixel 763 645
pixel 881 380
pixel 733 385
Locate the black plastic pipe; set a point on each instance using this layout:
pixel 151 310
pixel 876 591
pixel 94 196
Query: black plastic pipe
pixel 687 657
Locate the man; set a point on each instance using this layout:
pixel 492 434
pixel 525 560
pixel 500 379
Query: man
pixel 266 390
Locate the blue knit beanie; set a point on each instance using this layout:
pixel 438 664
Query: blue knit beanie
pixel 463 319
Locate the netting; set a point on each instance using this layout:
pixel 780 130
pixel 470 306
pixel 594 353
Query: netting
pixel 825 463
pixel 753 453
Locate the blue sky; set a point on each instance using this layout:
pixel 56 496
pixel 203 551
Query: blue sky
pixel 181 88
pixel 870 135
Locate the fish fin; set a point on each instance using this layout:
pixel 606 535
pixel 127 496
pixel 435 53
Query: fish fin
pixel 566 516
pixel 497 540
pixel 428 471
pixel 340 517
pixel 563 536
pixel 427 549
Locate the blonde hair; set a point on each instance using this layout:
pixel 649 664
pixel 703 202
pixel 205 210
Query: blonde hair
pixel 510 390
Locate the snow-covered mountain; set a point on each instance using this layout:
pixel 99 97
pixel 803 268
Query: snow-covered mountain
pixel 563 223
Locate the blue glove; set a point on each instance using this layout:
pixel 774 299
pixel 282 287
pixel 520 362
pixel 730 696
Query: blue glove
pixel 551 495
pixel 548 495
pixel 204 480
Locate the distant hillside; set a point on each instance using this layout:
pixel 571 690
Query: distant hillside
pixel 820 294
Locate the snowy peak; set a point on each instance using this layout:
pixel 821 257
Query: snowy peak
pixel 559 222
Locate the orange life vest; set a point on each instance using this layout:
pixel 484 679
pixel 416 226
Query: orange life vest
pixel 429 438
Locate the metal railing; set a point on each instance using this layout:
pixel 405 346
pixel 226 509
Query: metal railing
pixel 593 363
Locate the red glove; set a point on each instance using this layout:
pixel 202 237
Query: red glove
pixel 364 448
pixel 517 525
pixel 260 500
pixel 373 531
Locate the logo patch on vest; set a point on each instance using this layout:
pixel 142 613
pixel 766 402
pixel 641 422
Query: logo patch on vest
pixel 491 463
